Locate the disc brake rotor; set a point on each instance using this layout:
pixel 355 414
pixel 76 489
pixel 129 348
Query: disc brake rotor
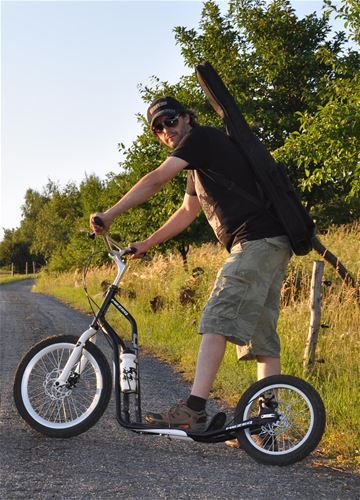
pixel 55 392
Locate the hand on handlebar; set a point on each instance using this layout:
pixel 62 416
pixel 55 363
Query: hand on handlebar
pixel 140 247
pixel 100 223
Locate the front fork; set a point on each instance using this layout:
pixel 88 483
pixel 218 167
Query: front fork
pixel 75 357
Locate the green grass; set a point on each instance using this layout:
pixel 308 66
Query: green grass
pixel 8 278
pixel 171 331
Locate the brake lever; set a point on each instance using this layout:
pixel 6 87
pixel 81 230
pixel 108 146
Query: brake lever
pixel 88 233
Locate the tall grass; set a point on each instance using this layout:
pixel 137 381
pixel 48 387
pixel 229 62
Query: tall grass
pixel 166 301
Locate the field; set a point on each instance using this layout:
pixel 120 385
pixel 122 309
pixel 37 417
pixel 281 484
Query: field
pixel 166 301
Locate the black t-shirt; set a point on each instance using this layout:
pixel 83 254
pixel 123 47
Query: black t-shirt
pixel 232 218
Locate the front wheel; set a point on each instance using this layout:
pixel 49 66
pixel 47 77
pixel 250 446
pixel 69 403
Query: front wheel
pixel 72 409
pixel 300 420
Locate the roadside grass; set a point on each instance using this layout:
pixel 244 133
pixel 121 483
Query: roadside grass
pixel 8 278
pixel 166 301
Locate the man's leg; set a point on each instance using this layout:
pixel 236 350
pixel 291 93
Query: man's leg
pixel 211 353
pixel 267 366
pixel 191 413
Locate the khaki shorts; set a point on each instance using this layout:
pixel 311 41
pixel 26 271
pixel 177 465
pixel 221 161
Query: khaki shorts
pixel 244 303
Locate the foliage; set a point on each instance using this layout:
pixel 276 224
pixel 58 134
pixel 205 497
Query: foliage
pixel 50 227
pixel 270 60
pixel 325 150
pixel 55 220
pixel 349 12
pixel 14 250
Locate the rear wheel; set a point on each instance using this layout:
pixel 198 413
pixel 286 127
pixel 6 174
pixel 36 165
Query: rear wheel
pixel 69 410
pixel 298 429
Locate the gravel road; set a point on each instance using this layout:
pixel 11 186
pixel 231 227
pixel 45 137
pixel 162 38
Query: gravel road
pixel 108 462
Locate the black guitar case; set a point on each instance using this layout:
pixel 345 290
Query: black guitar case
pixel 271 176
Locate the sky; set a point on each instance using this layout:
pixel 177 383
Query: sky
pixel 70 72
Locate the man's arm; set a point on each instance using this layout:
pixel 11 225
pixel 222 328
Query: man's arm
pixel 144 189
pixel 177 223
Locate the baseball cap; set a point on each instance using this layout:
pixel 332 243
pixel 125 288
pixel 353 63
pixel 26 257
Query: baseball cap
pixel 163 106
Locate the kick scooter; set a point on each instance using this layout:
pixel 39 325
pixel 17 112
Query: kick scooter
pixel 63 386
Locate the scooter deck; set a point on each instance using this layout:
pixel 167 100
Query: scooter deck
pixel 217 430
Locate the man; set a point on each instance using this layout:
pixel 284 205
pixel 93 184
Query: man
pixel 244 304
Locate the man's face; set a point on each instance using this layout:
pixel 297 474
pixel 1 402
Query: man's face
pixel 170 130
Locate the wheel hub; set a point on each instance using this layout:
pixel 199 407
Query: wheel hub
pixel 53 391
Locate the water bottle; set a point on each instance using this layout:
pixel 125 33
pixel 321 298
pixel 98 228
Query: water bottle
pixel 128 371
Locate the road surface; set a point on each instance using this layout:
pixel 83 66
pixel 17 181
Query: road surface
pixel 108 462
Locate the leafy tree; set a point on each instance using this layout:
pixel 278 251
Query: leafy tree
pixel 15 247
pixel 34 201
pixel 325 150
pixel 14 250
pixel 56 220
pixel 91 192
pixel 270 60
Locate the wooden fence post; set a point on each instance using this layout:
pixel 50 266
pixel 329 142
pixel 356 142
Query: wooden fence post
pixel 26 267
pixel 315 316
pixel 12 269
pixel 34 267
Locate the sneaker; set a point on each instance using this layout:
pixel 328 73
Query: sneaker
pixel 179 416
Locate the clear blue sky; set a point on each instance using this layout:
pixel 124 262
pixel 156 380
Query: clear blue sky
pixel 69 92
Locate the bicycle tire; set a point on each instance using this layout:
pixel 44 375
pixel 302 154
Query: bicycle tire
pixel 72 411
pixel 299 428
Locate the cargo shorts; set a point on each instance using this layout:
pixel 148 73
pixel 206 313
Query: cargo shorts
pixel 244 303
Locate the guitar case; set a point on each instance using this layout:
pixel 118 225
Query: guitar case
pixel 271 176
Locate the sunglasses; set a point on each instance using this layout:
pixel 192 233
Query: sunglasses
pixel 169 123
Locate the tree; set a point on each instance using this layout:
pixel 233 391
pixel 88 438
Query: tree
pixel 270 60
pixel 15 247
pixel 14 250
pixel 325 150
pixel 56 220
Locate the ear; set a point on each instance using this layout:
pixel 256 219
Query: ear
pixel 186 117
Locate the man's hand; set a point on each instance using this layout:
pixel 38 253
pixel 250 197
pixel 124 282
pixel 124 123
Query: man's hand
pixel 141 248
pixel 105 219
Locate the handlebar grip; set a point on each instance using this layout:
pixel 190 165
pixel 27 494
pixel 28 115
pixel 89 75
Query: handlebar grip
pixel 98 221
pixel 130 250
